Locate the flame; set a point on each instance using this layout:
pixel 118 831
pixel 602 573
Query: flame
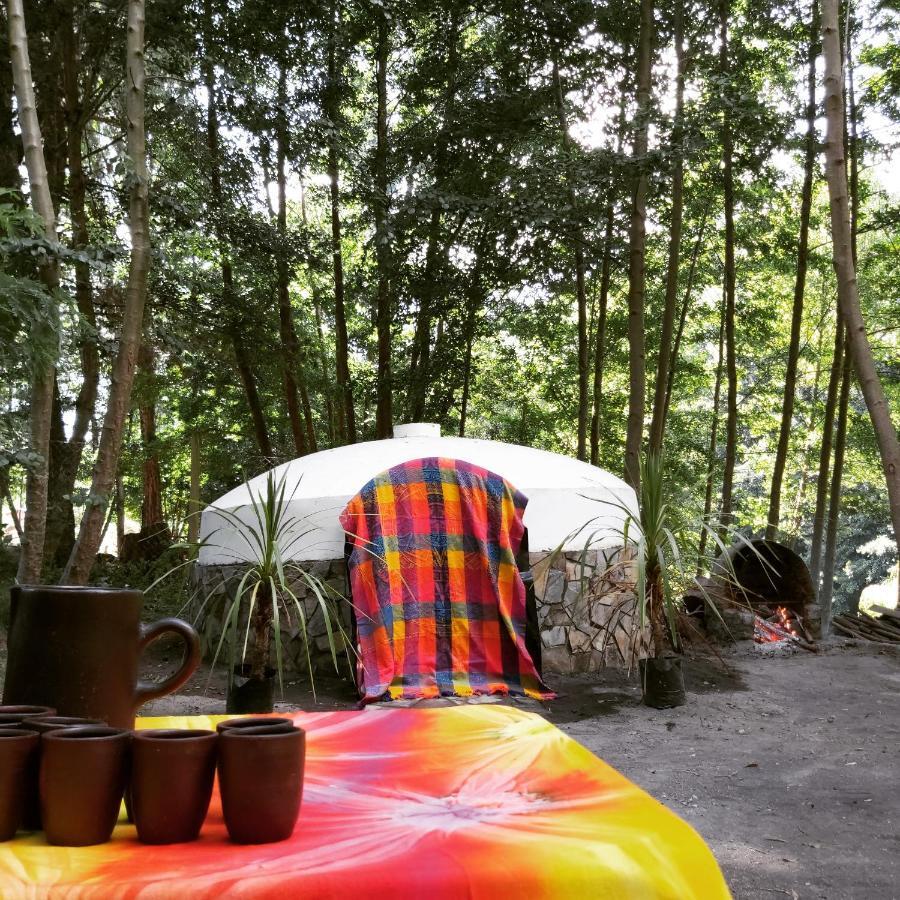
pixel 781 626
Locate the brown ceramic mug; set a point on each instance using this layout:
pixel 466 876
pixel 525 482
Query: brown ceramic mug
pixel 84 771
pixel 18 755
pixel 10 716
pixel 261 782
pixel 41 725
pixel 172 772
pixel 253 722
pixel 78 649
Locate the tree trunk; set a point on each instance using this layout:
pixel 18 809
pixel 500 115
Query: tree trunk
pixel 80 562
pixel 636 255
pixel 6 497
pixel 195 507
pixel 600 336
pixel 248 382
pixel 384 416
pixel 790 378
pixel 845 268
pixel 286 330
pixel 577 242
pixel 605 278
pixel 834 506
pixel 155 536
pixel 682 320
pixel 713 442
pixel 474 300
pixel 658 421
pixel 809 430
pixel 60 537
pixel 43 334
pixel 346 415
pixel 421 354
pixel 232 328
pixel 725 516
pixel 10 145
pixel 815 543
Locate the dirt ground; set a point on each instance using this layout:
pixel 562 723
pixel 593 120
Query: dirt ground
pixel 787 765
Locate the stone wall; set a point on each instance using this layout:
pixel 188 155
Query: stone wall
pixel 585 611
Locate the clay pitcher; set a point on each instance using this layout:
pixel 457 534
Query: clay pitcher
pixel 77 649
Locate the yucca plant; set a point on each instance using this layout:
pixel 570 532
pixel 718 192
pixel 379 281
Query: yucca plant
pixel 262 604
pixel 658 544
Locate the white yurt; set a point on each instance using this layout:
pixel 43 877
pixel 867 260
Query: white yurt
pixel 583 600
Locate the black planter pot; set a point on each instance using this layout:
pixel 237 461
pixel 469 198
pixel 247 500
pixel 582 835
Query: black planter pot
pixel 250 695
pixel 662 682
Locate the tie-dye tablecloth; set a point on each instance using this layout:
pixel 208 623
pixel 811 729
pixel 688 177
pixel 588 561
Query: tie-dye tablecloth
pixel 482 801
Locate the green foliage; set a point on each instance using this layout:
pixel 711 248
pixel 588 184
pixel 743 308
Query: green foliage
pixel 262 604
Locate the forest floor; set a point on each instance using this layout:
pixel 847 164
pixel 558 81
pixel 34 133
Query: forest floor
pixel 786 765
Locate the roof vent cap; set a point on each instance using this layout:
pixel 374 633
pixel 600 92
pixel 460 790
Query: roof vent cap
pixel 418 430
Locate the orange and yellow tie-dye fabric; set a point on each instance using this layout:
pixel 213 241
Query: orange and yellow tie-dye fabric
pixel 479 801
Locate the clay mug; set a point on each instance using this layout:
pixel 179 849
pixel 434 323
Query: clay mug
pixel 41 724
pixel 84 771
pixel 78 648
pixel 18 754
pixel 253 722
pixel 11 716
pixel 172 772
pixel 261 782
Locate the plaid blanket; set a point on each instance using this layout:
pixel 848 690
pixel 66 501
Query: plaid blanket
pixel 439 601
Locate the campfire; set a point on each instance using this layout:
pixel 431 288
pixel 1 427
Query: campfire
pixel 773 625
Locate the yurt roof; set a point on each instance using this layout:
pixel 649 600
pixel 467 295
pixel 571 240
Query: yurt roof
pixel 563 494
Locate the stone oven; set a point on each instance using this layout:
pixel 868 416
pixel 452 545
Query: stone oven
pixel 746 583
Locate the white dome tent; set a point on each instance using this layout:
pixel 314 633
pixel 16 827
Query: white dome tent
pixel 563 494
pixel 568 500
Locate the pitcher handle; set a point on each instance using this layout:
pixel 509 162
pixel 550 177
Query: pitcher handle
pixel 149 690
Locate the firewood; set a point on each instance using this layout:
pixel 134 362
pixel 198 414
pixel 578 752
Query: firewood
pixel 887 613
pixel 843 625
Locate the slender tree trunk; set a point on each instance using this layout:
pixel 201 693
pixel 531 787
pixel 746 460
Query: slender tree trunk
pixel 815 544
pixel 346 415
pixel 152 517
pixel 809 429
pixel 658 422
pixel 600 336
pixel 195 507
pixel 248 382
pixel 848 294
pixel 32 548
pixel 287 332
pixel 10 145
pixel 730 352
pixel 232 329
pixel 384 415
pixel 682 320
pixel 474 300
pixel 790 378
pixel 713 441
pixel 636 260
pixel 120 515
pixel 81 561
pixel 6 497
pixel 421 355
pixel 603 304
pixel 834 506
pixel 60 536
pixel 577 244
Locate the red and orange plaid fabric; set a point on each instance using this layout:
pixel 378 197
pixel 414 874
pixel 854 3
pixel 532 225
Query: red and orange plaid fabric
pixel 439 601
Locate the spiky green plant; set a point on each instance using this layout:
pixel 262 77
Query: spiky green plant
pixel 264 604
pixel 658 546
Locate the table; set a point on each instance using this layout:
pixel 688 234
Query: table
pixel 481 801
